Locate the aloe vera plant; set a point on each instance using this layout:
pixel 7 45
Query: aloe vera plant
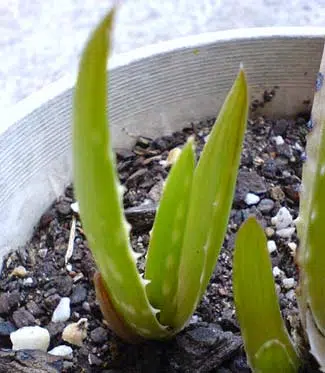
pixel 310 227
pixel 266 340
pixel 190 222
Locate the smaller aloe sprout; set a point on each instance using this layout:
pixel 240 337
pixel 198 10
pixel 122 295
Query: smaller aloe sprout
pixel 191 219
pixel 266 341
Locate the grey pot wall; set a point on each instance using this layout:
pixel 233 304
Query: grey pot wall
pixel 154 90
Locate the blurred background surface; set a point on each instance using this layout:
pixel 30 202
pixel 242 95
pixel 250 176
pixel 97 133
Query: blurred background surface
pixel 40 40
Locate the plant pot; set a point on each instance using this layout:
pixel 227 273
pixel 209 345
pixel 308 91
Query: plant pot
pixel 154 91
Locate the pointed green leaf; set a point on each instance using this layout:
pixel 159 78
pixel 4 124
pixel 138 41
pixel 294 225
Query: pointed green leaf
pixel 273 357
pixel 310 223
pixel 255 297
pixel 167 236
pixel 98 189
pixel 211 197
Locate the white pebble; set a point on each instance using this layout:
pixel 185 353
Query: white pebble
pixel 293 248
pixel 277 272
pixel 62 350
pixel 251 199
pixel 271 246
pixel 279 140
pixel 27 281
pixel 75 207
pixel 282 219
pixel 62 311
pixel 76 332
pixel 291 295
pixel 288 283
pixel 269 231
pixel 285 232
pixel 30 337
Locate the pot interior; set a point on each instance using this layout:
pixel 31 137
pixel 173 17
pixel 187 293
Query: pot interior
pixel 154 91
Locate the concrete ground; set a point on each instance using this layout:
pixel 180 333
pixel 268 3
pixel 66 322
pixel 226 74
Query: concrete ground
pixel 40 40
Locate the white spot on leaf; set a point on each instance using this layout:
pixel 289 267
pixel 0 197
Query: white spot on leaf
pixel 128 308
pixel 114 271
pixel 201 278
pixel 322 170
pixel 176 236
pixel 180 212
pixel 144 331
pixel 166 288
pixel 170 262
pixel 313 215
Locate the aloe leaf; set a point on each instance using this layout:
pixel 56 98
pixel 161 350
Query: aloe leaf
pixel 210 202
pixel 255 297
pixel 167 236
pixel 273 357
pixel 98 189
pixel 310 223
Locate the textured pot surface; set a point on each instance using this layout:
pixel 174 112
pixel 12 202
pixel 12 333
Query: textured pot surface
pixel 154 91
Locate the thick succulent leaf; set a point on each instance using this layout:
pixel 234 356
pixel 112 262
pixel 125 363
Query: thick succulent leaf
pixel 99 193
pixel 211 197
pixel 273 357
pixel 167 236
pixel 255 297
pixel 310 223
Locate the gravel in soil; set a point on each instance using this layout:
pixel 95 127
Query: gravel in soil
pixel 36 277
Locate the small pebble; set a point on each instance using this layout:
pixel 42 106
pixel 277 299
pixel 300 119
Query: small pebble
pixel 282 219
pixel 291 295
pixel 269 231
pixel 285 232
pixel 251 199
pixel 288 283
pixel 293 248
pixel 75 207
pixel 277 193
pixel 63 207
pixel 99 335
pixel 271 246
pixel 69 267
pixel 94 360
pixel 277 271
pixel 286 173
pixel 27 281
pixel 266 205
pixel 19 271
pixel 62 311
pixel 76 332
pixel 42 253
pixel 279 140
pixel 86 306
pixel 62 350
pixel 30 337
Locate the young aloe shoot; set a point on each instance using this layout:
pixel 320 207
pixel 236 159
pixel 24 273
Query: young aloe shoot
pixel 191 219
pixel 266 341
pixel 310 227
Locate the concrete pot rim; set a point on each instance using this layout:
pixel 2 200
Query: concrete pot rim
pixel 36 99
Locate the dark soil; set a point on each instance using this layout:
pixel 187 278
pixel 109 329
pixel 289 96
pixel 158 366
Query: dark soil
pixel 270 169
